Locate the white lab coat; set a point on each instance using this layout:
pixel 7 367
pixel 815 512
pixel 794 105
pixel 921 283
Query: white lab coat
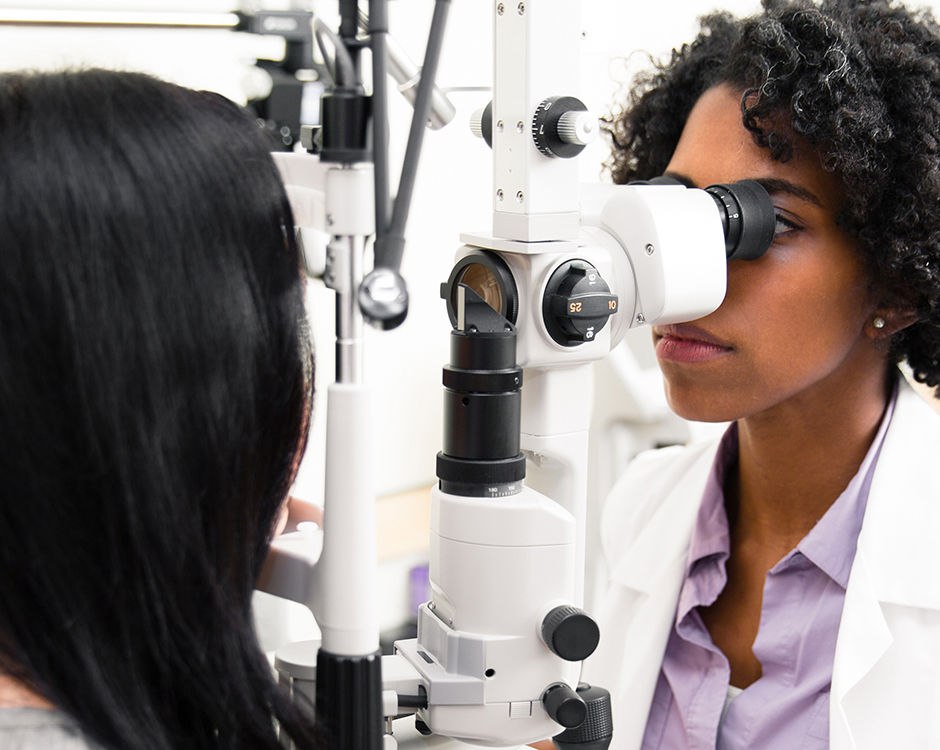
pixel 886 674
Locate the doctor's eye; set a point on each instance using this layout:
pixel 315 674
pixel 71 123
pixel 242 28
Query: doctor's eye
pixel 784 227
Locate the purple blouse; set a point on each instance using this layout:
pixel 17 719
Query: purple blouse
pixel 788 707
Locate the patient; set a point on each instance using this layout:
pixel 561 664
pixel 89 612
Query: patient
pixel 155 382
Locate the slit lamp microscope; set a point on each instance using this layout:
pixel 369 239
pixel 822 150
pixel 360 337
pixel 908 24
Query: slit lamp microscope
pixel 550 289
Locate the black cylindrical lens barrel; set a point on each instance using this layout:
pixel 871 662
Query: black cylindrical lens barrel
pixel 479 407
pixel 482 413
pixel 747 216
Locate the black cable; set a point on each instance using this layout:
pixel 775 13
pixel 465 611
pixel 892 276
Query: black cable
pixel 389 252
pixel 378 34
pixel 343 69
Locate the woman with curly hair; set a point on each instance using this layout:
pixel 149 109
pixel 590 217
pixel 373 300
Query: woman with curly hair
pixel 778 588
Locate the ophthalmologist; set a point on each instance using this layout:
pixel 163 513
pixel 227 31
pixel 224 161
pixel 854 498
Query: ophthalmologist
pixel 779 588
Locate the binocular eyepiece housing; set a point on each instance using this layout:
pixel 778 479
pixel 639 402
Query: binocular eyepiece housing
pixel 481 454
pixel 746 211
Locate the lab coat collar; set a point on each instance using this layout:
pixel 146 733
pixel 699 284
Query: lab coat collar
pixel 897 544
pixel 661 549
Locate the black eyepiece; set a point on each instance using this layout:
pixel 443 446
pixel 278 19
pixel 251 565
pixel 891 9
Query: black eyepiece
pixel 747 217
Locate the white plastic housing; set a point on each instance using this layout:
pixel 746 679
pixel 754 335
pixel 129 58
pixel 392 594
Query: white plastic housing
pixel 497 567
pixel 346 598
pixel 335 573
pixel 532 265
pixel 673 238
pixel 660 248
pixel 536 56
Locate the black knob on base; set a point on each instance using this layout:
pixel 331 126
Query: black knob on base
pixel 564 705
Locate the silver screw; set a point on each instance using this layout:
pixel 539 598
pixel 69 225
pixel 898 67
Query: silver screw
pixel 329 220
pixel 520 196
pixel 650 249
pixel 520 126
pixel 640 319
pixel 500 8
pixel 499 126
pixel 499 194
pixel 520 9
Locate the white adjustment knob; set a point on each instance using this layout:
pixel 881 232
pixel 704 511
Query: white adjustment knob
pixel 577 127
pixel 476 123
pixel 481 124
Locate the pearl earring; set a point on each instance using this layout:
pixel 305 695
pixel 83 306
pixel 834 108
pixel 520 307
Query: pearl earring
pixel 878 322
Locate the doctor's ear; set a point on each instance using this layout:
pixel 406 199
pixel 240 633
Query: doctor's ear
pixel 887 321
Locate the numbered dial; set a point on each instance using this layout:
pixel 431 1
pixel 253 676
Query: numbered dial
pixel 577 303
pixel 562 126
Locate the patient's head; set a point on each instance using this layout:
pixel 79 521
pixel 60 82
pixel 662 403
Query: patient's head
pixel 154 382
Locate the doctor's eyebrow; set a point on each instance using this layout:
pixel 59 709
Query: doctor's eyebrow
pixel 771 184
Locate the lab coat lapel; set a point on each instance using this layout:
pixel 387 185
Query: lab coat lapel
pixel 646 544
pixel 864 637
pixel 896 569
pixel 646 527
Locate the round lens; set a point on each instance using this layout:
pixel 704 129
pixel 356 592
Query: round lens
pixel 484 282
pixel 488 276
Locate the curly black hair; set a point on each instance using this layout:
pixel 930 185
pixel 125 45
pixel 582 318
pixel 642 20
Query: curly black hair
pixel 860 79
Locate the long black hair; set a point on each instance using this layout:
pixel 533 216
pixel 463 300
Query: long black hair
pixel 154 386
pixel 860 79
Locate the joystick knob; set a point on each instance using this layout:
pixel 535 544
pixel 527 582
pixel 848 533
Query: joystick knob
pixel 564 705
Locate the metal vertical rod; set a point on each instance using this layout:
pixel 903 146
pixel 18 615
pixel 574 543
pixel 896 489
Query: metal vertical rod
pixel 378 41
pixel 390 253
pixel 348 316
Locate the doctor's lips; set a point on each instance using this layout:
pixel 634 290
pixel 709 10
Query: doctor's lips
pixel 689 344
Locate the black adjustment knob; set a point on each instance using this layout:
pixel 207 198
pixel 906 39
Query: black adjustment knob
pixel 562 127
pixel 564 705
pixel 577 303
pixel 597 729
pixel 570 633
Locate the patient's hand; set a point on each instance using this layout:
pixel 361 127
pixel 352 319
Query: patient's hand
pixel 543 745
pixel 296 511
